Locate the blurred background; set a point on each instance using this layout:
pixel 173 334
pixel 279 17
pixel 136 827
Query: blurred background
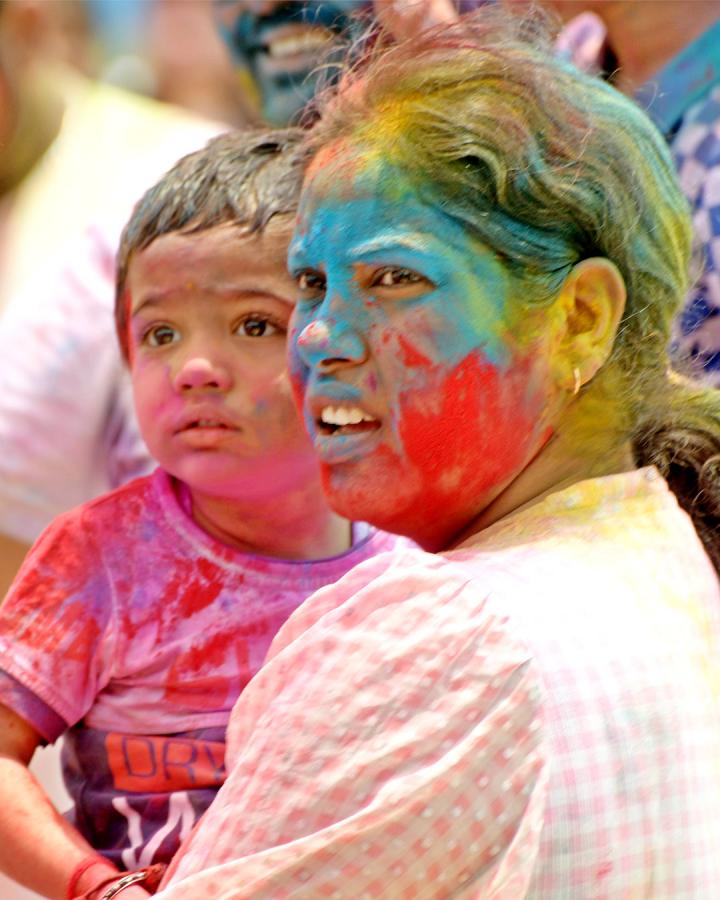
pixel 165 49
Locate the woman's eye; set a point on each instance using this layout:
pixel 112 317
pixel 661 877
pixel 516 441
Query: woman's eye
pixel 160 336
pixel 310 282
pixel 393 277
pixel 257 326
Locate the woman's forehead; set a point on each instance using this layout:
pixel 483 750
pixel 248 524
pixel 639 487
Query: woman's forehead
pixel 336 168
pixel 348 173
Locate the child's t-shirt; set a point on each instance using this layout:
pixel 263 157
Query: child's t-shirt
pixel 132 631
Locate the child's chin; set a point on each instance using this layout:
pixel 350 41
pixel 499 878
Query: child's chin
pixel 207 472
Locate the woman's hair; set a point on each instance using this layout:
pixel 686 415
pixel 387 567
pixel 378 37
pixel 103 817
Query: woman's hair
pixel 547 166
pixel 243 178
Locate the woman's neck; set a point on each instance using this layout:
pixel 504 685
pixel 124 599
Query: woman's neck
pixel 576 451
pixel 297 525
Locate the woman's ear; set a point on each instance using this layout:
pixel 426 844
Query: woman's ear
pixel 593 298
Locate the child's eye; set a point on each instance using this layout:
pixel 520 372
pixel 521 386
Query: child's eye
pixel 393 276
pixel 257 326
pixel 160 335
pixel 310 282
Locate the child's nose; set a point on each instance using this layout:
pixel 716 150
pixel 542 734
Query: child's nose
pixel 200 373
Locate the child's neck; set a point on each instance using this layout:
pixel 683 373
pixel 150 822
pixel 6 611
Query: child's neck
pixel 296 525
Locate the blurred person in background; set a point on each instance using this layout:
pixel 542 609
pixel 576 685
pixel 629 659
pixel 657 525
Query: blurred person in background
pixel 280 44
pixel 170 50
pixel 290 48
pixel 190 64
pixel 667 56
pixel 69 146
pixel 35 42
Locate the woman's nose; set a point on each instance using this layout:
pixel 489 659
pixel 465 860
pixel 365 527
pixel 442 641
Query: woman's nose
pixel 200 373
pixel 327 343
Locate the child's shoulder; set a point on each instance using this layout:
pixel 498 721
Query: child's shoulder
pixel 118 508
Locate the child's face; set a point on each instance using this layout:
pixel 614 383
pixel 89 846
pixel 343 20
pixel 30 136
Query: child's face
pixel 207 324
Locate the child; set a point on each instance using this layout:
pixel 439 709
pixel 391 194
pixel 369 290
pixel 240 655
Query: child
pixel 138 618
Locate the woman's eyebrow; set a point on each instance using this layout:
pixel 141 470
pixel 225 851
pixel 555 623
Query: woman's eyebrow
pixel 415 242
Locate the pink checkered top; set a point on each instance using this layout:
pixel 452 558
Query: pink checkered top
pixel 533 715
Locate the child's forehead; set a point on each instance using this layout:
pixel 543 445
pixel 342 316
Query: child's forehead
pixel 220 259
pixel 224 240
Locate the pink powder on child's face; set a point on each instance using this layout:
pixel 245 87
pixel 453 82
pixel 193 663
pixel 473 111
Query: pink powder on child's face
pixel 457 381
pixel 209 316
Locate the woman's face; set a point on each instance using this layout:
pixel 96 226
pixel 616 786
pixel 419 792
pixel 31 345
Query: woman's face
pixel 425 382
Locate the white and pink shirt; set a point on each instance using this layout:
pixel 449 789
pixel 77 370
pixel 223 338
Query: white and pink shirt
pixel 534 715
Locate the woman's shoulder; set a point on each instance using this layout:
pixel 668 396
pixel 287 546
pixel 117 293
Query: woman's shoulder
pixel 405 589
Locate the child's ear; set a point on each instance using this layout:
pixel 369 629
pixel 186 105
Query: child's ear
pixel 593 299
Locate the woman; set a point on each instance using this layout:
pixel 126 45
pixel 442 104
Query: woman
pixel 490 250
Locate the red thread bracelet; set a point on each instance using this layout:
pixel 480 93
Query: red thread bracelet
pixel 81 869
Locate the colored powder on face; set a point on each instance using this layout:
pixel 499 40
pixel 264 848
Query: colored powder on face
pixel 364 200
pixel 471 443
pixel 459 366
pixel 462 434
pixel 411 356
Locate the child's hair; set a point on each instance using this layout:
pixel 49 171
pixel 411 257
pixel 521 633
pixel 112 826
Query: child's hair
pixel 243 178
pixel 548 166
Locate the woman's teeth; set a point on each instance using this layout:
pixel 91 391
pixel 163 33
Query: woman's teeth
pixel 339 416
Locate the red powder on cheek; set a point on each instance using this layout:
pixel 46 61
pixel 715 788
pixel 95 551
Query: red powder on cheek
pixel 464 434
pixel 465 438
pixel 411 356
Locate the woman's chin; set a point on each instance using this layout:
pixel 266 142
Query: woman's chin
pixel 384 493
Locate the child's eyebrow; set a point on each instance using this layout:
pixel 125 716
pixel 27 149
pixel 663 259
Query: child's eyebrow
pixel 151 300
pixel 260 292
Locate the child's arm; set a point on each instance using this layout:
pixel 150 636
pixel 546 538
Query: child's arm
pixel 38 848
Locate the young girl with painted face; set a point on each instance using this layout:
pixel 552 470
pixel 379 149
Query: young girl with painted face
pixel 490 249
pixel 139 618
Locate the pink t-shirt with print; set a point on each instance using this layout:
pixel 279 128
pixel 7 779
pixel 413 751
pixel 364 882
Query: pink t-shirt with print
pixel 133 632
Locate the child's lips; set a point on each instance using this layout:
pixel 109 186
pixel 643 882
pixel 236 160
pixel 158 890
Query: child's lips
pixel 205 421
pixel 206 438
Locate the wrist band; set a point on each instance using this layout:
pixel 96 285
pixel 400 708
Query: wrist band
pixel 149 878
pixel 80 870
pixel 127 880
